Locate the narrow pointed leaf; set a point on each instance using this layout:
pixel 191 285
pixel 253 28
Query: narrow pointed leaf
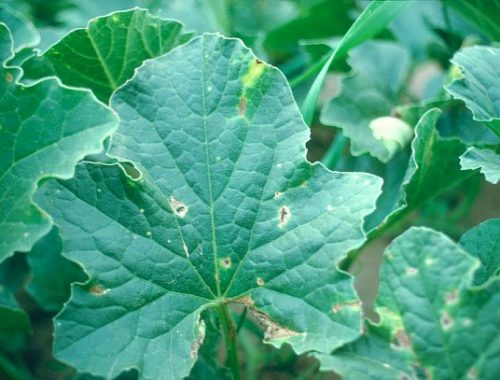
pixel 223 207
pixel 483 242
pixel 453 331
pixel 104 55
pixel 44 130
pixel 479 69
pixel 487 161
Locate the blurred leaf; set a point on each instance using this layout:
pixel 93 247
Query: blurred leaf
pixel 424 288
pixel 52 274
pixel 478 65
pixel 487 161
pixel 23 31
pixel 45 129
pixel 206 223
pixel 327 18
pixel 370 92
pixel 197 15
pixel 14 322
pixel 483 242
pixel 483 14
pixel 105 54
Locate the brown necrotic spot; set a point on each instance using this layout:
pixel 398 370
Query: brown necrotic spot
pixel 446 321
pixel 243 105
pixel 98 290
pixel 337 308
pixel 178 207
pixel 8 77
pixel 260 281
pixel 401 340
pixel 284 216
pixel 226 263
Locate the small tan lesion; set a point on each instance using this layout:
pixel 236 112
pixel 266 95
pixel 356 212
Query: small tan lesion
pixel 447 321
pixel 98 290
pixel 226 262
pixel 179 208
pixel 272 330
pixel 401 340
pixel 195 346
pixel 243 105
pixel 451 297
pixel 337 308
pixel 9 77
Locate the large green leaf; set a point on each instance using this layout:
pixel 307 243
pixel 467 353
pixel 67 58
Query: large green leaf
pixel 370 92
pixel 105 54
pixel 487 161
pixel 44 130
pixel 453 331
pixel 483 242
pixel 23 31
pixel 52 274
pixel 479 69
pixel 225 209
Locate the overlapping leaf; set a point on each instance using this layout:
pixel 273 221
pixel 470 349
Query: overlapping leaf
pixel 52 274
pixel 453 331
pixel 479 71
pixel 23 31
pixel 487 161
pixel 371 357
pixel 226 209
pixel 105 54
pixel 483 242
pixel 434 167
pixel 44 130
pixel 370 92
pixel 14 322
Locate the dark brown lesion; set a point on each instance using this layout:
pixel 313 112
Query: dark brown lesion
pixel 284 216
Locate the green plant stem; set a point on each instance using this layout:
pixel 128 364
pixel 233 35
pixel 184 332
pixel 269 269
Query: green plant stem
pixel 335 150
pixel 242 319
pixel 229 333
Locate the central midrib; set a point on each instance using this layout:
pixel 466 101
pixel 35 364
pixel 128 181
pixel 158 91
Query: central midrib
pixel 209 179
